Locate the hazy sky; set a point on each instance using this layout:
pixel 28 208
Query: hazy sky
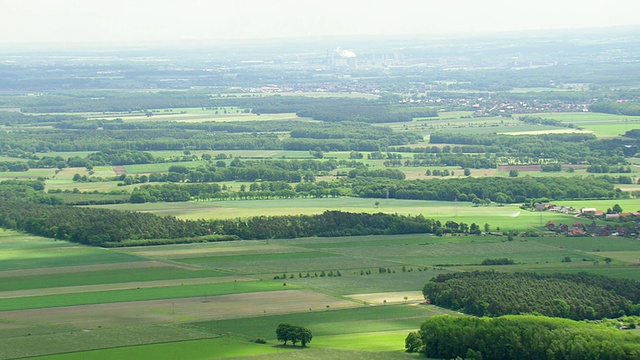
pixel 144 21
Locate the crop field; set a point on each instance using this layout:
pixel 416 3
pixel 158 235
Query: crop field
pixel 359 295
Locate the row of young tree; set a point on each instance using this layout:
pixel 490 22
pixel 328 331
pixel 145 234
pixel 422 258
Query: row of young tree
pixel 520 337
pixel 578 297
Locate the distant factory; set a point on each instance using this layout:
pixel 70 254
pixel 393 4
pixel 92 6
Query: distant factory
pixel 342 59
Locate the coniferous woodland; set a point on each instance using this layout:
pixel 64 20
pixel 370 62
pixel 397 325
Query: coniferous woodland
pixel 578 297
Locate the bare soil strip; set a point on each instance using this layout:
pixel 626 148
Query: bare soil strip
pixel 119 170
pixel 179 310
pixel 213 250
pixel 389 297
pixel 118 286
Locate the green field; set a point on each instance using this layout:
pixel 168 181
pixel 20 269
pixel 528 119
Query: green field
pixel 506 217
pixel 137 294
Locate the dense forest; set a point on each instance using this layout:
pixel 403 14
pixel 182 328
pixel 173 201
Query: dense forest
pixel 25 207
pixel 578 297
pixel 520 337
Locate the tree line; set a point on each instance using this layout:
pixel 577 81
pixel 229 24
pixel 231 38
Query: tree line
pixel 27 209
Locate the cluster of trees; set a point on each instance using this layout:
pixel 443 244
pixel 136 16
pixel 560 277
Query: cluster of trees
pixel 634 133
pixel 293 333
pixel 581 296
pixel 351 130
pixel 117 157
pixel 233 173
pixel 378 173
pixel 543 121
pixel 13 118
pixel 446 159
pixel 605 168
pixel 501 190
pixel 631 108
pixel 14 166
pixel 502 261
pixel 369 111
pixel 165 193
pixel 520 337
pixel 546 148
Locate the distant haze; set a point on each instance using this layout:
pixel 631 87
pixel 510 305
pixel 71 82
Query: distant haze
pixel 170 21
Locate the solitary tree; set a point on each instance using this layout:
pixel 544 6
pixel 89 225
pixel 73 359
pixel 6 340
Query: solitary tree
pixel 617 209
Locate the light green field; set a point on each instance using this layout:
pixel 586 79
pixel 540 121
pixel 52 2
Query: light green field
pixel 506 217
pixel 318 94
pixel 579 116
pixel 42 281
pixel 20 252
pixel 536 89
pixel 217 348
pixel 65 154
pixel 160 167
pixel 444 115
pixel 627 205
pixel 198 115
pixel 105 186
pixel 235 347
pixel 364 319
pixel 603 125
pixel 29 174
pixel 139 294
